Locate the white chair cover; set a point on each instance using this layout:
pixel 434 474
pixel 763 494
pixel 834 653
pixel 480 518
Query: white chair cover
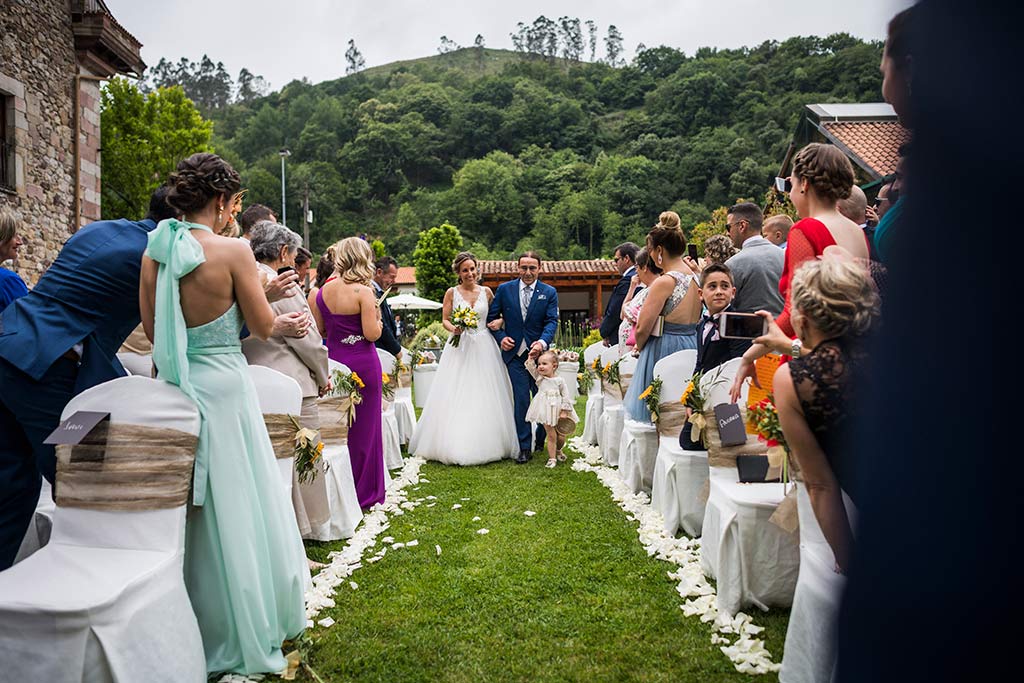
pixel 639 444
pixel 570 371
pixel 341 487
pixel 613 417
pixel 278 394
pixel 136 363
pixel 754 561
pixel 389 420
pixel 595 399
pixel 105 600
pixel 422 379
pixel 680 476
pixel 38 533
pixel 810 653
pixel 404 408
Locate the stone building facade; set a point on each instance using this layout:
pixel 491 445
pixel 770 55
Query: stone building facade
pixel 53 56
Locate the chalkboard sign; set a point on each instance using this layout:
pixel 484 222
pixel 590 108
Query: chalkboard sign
pixel 730 424
pixel 72 430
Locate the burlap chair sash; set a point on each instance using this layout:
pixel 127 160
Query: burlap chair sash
pixel 124 467
pixel 725 456
pixel 281 430
pixel 616 392
pixel 405 377
pixel 672 418
pixel 333 423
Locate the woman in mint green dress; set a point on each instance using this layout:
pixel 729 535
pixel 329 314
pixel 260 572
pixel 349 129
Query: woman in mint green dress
pixel 245 567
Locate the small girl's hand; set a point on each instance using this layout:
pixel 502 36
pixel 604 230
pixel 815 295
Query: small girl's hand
pixel 564 413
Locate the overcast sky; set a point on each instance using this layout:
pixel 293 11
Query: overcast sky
pixel 282 41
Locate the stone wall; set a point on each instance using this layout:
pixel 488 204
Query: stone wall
pixel 38 67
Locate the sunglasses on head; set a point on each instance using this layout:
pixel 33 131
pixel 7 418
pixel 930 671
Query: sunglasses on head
pixel 783 185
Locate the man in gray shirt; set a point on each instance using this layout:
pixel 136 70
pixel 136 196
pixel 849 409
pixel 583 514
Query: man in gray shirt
pixel 757 267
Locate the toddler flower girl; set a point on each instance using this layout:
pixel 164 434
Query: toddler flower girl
pixel 552 406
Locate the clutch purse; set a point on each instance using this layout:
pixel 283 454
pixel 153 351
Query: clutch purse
pixel 659 327
pixel 755 469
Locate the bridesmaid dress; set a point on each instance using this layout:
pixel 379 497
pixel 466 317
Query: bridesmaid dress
pixel 245 566
pixel 346 344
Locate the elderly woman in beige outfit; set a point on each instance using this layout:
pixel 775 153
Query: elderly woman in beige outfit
pixel 304 359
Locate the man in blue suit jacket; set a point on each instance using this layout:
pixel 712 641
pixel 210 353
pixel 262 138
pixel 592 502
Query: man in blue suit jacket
pixel 530 311
pixel 57 341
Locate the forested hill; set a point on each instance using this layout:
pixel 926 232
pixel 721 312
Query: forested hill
pixel 514 149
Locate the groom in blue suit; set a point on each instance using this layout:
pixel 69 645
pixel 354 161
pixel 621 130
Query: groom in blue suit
pixel 57 341
pixel 530 311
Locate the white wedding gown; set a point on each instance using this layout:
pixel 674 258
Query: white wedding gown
pixel 468 418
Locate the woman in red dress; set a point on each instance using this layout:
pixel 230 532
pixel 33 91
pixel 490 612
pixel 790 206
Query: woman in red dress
pixel 821 176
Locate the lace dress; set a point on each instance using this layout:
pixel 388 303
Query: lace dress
pixel 675 337
pixel 828 384
pixel 632 313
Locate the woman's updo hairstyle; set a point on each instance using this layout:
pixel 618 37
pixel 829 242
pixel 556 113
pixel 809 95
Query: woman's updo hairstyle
pixel 353 260
pixel 460 259
pixel 838 297
pixel 828 171
pixel 324 267
pixel 668 235
pixel 200 178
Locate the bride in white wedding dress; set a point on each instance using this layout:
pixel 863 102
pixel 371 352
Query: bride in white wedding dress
pixel 468 418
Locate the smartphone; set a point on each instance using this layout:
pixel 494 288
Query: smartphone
pixel 284 269
pixel 733 325
pixel 783 185
pixel 691 251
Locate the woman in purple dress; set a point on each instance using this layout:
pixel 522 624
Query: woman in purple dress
pixel 348 317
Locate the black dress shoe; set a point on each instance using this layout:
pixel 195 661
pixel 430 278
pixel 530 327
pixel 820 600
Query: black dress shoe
pixel 524 457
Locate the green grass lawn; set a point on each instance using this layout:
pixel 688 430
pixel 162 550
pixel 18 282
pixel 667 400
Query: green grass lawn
pixel 566 595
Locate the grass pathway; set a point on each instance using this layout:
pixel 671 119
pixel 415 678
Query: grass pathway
pixel 565 595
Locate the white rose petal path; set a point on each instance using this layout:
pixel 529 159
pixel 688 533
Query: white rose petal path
pixel 746 652
pixel 536 576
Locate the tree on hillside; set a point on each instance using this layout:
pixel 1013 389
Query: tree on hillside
pixel 478 42
pixel 592 33
pixel 250 86
pixel 144 138
pixel 353 58
pixel 447 45
pixel 478 49
pixel 435 251
pixel 613 46
pixel 206 83
pixel 572 38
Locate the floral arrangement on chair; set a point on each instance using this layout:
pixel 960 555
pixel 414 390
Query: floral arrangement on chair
pixel 695 400
pixel 585 380
pixel 464 318
pixel 651 396
pixel 610 373
pixel 348 386
pixel 764 418
pixel 308 451
pixel 387 388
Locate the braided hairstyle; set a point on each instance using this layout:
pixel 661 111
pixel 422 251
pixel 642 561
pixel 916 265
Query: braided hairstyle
pixel 826 169
pixel 838 297
pixel 200 178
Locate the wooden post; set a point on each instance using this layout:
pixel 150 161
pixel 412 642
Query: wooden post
pixel 599 304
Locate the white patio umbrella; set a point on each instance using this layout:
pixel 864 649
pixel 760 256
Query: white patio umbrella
pixel 411 302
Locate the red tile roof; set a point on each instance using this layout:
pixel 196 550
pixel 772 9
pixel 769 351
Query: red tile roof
pixel 406 276
pixel 583 267
pixel 875 144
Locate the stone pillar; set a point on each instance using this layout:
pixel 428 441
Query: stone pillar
pixel 88 150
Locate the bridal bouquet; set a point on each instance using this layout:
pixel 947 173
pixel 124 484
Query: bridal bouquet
pixel 464 318
pixel 764 418
pixel 651 396
pixel 694 399
pixel 349 386
pixel 308 450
